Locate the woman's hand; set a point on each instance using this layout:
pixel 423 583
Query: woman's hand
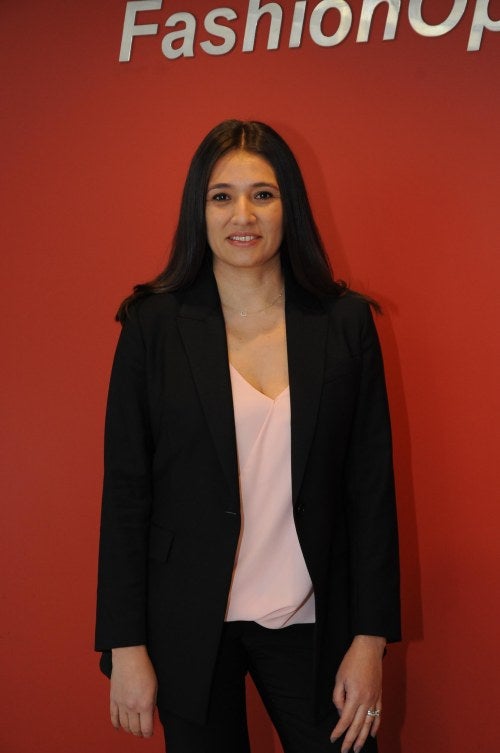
pixel 358 688
pixel 133 691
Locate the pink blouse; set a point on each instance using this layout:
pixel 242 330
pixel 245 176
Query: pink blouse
pixel 271 583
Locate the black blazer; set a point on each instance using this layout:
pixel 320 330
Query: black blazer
pixel 171 508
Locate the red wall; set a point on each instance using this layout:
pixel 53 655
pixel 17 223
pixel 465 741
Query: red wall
pixel 399 142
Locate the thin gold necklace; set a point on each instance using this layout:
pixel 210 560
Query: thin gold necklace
pixel 245 312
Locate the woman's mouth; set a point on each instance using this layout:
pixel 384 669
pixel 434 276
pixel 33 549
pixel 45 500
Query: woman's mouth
pixel 243 238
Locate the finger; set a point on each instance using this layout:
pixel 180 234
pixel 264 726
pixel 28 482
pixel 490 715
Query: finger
pixel 357 731
pixel 375 727
pixel 346 719
pixel 134 723
pixel 370 726
pixel 363 734
pixel 146 719
pixel 113 712
pixel 123 718
pixel 377 720
pixel 339 696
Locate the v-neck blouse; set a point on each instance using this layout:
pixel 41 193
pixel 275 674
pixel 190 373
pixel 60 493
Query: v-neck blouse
pixel 271 584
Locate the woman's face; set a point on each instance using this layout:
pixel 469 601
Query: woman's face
pixel 243 212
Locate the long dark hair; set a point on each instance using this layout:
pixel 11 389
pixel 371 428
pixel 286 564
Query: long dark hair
pixel 302 248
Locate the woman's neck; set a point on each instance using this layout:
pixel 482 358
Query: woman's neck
pixel 249 289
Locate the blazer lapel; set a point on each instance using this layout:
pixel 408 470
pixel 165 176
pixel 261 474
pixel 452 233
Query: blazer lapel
pixel 306 327
pixel 202 329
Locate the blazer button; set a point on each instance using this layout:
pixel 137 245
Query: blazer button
pixel 300 508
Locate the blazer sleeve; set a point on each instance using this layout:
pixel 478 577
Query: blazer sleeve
pixel 370 499
pixel 127 495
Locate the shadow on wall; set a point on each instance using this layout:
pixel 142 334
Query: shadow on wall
pixel 395 663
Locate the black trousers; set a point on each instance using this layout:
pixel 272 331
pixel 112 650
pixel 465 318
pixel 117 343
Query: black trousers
pixel 280 664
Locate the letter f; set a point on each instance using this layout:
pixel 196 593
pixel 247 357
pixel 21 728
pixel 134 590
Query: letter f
pixel 130 30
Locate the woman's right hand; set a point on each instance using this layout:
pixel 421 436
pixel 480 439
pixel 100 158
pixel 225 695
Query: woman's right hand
pixel 133 691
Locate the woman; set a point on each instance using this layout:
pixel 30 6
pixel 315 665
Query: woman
pixel 248 520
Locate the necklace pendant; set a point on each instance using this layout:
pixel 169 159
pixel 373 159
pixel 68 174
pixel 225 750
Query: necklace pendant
pixel 243 313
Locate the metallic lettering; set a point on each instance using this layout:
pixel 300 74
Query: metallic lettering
pixel 218 30
pixel 187 34
pixel 365 21
pixel 255 13
pixel 481 21
pixel 435 30
pixel 130 30
pixel 299 13
pixel 317 17
pixel 181 41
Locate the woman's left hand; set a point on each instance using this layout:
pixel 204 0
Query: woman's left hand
pixel 358 689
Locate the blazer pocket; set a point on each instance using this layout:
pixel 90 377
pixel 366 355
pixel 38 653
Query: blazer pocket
pixel 346 367
pixel 160 543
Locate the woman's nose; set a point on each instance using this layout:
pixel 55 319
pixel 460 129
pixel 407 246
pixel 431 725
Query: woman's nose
pixel 243 210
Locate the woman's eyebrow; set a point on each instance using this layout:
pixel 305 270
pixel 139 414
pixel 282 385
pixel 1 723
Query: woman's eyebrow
pixel 258 184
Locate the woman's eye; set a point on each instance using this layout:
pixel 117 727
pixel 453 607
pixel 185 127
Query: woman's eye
pixel 220 197
pixel 264 195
